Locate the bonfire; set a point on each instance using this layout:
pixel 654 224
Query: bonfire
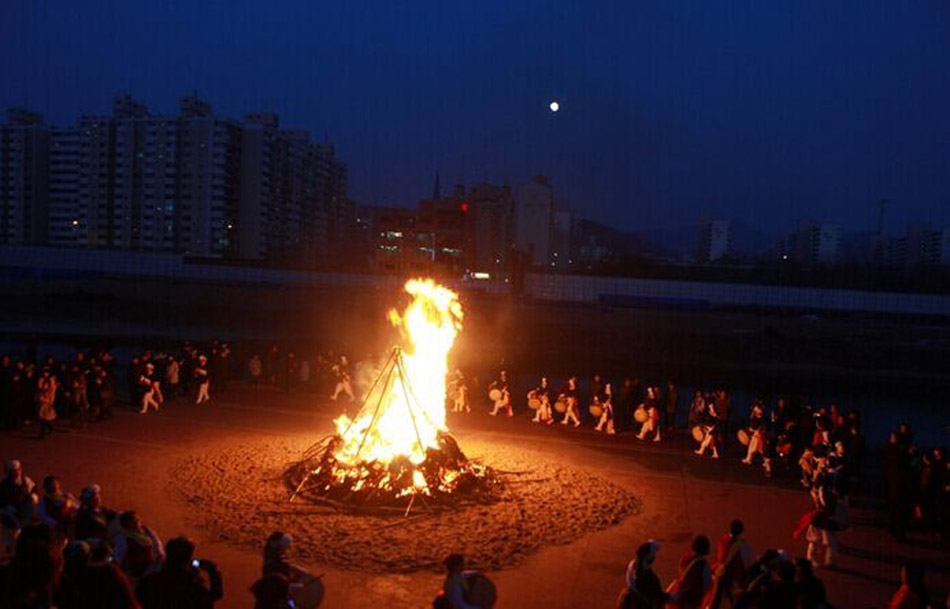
pixel 397 448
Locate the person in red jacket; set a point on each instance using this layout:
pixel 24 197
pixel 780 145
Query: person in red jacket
pixel 695 577
pixel 733 557
pixel 912 594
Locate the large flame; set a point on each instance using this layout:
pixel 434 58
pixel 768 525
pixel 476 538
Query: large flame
pixel 405 412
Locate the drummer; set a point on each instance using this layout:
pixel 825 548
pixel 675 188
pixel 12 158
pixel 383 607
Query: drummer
pixel 606 422
pixel 499 388
pixel 755 433
pixel 542 393
pixel 570 396
pixel 652 423
pixel 709 425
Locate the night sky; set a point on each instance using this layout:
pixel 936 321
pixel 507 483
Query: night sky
pixel 762 111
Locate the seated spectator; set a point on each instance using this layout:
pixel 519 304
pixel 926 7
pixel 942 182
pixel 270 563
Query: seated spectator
pixel 34 572
pixel 913 593
pixel 137 547
pixel 271 592
pixel 809 590
pixel 92 520
pixel 87 584
pixel 57 509
pixel 179 584
pixel 17 494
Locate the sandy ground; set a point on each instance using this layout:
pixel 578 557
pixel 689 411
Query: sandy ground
pixel 239 497
pixel 140 462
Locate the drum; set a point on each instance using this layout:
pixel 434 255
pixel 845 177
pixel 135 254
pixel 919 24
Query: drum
pixel 534 403
pixel 561 404
pixel 596 410
pixel 698 434
pixel 744 437
pixel 481 590
pixel 640 415
pixel 310 595
pixel 494 395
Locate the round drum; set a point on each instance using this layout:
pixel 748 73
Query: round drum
pixel 494 395
pixel 481 590
pixel 744 437
pixel 640 415
pixel 698 434
pixel 596 410
pixel 310 595
pixel 534 403
pixel 560 405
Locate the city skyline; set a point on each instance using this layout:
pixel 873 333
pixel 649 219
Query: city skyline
pixel 766 115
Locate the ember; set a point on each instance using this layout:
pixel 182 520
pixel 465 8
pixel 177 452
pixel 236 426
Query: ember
pixel 397 447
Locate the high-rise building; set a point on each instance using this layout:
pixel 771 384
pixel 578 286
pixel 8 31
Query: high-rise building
pixel 492 226
pixel 534 214
pixel 24 178
pixel 921 247
pixel 68 218
pixel 209 187
pixel 715 240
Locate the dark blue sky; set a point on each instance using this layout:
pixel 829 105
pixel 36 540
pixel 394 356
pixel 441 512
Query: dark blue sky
pixel 764 111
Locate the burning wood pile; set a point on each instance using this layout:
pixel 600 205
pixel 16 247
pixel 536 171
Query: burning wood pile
pixel 397 448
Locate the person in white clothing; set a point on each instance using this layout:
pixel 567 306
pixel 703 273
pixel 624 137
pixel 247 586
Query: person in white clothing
pixel 606 422
pixel 148 389
pixel 204 380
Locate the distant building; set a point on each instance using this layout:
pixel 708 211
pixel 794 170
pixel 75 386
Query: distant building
pixel 812 244
pixel 715 240
pixel 68 218
pixel 534 215
pixel 492 225
pixel 562 242
pixel 24 178
pixel 920 248
pixel 195 184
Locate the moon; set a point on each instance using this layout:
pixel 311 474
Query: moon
pixel 555 106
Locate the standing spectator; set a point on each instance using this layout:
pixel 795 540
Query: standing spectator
pixel 270 369
pixel 179 584
pixel 669 400
pixel 643 590
pixel 222 369
pixel 46 398
pixel 304 374
pixel 8 414
pixel 255 369
pixel 172 379
pixel 733 557
pixel 912 593
pixel 695 576
pixel 203 379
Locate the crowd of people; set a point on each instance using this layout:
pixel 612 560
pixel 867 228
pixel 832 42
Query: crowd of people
pixel 71 550
pixel 60 551
pixel 48 394
pixel 731 571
